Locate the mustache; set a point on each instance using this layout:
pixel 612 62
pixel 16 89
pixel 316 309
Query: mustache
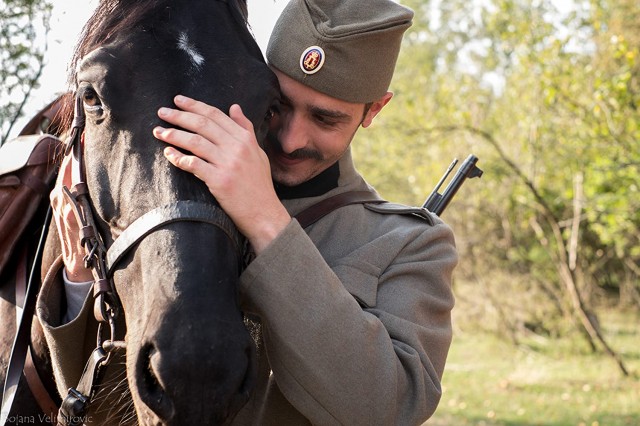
pixel 299 154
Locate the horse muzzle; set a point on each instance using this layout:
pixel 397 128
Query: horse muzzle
pixel 180 384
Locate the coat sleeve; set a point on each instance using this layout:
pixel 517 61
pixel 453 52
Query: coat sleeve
pixel 376 358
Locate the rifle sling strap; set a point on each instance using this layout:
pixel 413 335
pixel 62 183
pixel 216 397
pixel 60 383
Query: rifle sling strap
pixel 319 210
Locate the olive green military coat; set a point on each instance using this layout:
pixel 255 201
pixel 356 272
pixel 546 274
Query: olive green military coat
pixel 355 316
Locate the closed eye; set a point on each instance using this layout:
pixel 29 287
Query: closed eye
pixel 329 118
pixel 325 121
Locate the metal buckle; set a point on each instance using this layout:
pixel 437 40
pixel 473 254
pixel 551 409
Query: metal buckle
pixel 74 407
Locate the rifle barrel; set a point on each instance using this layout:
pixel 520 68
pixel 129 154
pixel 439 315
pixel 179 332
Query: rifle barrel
pixel 436 203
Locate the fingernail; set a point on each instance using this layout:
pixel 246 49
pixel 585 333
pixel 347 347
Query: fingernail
pixel 180 98
pixel 163 112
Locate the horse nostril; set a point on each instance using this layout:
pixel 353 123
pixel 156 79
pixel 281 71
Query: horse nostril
pixel 150 381
pixel 150 388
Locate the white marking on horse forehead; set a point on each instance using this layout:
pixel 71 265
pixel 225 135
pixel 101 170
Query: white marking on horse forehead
pixel 183 43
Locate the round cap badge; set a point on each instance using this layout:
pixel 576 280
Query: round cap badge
pixel 312 59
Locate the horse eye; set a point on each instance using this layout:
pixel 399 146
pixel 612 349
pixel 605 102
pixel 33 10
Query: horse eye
pixel 90 99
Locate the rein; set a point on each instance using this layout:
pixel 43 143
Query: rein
pixel 102 263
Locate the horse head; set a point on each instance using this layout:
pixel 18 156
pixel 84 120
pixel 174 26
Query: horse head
pixel 189 356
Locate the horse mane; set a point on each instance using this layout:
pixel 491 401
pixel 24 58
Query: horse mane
pixel 112 17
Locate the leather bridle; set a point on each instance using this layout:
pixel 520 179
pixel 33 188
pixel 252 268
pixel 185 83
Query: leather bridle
pixel 102 262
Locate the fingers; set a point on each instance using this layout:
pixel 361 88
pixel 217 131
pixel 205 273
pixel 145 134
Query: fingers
pixel 64 178
pixel 61 208
pixel 57 197
pixel 192 142
pixel 67 225
pixel 201 135
pixel 226 122
pixel 210 135
pixel 189 163
pixel 201 118
pixel 208 121
pixel 63 219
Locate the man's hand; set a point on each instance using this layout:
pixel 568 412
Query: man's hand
pixel 68 227
pixel 227 158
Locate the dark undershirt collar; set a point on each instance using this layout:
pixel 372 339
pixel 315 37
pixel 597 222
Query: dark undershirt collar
pixel 318 185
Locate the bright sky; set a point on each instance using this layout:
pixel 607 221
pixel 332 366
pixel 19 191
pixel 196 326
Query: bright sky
pixel 70 15
pixel 66 23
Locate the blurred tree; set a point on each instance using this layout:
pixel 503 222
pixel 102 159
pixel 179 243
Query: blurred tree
pixel 549 102
pixel 24 25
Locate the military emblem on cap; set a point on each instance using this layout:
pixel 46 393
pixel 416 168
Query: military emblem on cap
pixel 312 59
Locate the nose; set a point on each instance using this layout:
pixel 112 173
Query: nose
pixel 293 133
pixel 184 387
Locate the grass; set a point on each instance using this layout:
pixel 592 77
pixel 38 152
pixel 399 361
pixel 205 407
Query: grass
pixel 550 382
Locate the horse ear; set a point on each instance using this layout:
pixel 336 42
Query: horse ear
pixel 242 5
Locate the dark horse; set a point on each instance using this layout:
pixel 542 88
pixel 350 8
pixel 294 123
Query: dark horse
pixel 189 357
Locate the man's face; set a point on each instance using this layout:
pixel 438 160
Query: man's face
pixel 309 132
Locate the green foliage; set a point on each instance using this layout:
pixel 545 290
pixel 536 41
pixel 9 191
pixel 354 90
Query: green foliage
pixel 23 27
pixel 549 101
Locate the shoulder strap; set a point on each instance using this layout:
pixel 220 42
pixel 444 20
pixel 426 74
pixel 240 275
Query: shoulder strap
pixel 20 360
pixel 317 211
pixel 392 208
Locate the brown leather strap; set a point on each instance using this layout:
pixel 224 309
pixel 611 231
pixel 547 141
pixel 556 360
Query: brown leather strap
pixel 20 350
pixel 319 210
pixel 40 393
pixel 21 281
pixel 23 328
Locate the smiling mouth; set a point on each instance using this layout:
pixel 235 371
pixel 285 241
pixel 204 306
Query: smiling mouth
pixel 288 160
pixel 277 154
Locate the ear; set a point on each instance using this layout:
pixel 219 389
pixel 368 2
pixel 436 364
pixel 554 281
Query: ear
pixel 242 4
pixel 376 107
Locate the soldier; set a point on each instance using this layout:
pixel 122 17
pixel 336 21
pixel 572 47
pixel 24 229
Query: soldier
pixel 355 308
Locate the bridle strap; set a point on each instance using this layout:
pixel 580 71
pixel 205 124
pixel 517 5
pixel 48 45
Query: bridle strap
pixel 106 302
pixel 185 211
